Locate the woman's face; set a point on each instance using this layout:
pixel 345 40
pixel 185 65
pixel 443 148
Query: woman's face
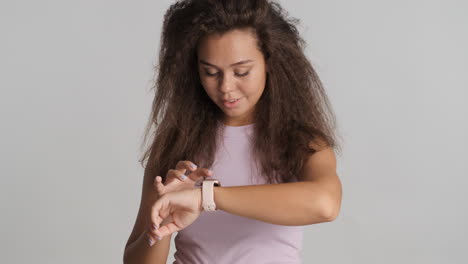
pixel 231 67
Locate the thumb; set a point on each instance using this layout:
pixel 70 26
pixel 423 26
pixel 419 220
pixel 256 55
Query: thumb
pixel 158 184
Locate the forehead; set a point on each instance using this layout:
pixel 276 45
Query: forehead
pixel 228 47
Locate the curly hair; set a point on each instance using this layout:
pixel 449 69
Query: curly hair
pixel 293 110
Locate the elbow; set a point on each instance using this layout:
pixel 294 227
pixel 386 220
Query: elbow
pixel 331 214
pixel 330 210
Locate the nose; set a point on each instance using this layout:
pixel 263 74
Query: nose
pixel 226 84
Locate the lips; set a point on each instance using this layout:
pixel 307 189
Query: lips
pixel 230 99
pixel 234 104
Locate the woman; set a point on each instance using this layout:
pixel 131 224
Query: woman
pixel 236 101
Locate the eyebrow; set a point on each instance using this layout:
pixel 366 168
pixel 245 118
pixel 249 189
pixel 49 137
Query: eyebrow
pixel 234 64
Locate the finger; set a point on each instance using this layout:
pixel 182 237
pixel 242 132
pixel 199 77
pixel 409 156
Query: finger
pixel 186 164
pixel 159 185
pixel 159 211
pixel 157 180
pixel 154 226
pixel 186 167
pixel 151 234
pixel 151 238
pixel 167 229
pixel 202 173
pixel 176 174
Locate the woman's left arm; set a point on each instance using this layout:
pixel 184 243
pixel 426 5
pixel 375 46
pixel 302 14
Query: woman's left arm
pixel 316 199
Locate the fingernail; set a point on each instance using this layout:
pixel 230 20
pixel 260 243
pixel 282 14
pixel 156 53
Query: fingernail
pixel 193 166
pixel 150 241
pixel 184 176
pixel 155 226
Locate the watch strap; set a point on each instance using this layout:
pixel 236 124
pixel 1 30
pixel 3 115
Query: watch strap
pixel 208 203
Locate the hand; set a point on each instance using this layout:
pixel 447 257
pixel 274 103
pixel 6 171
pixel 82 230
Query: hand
pixel 183 207
pixel 176 179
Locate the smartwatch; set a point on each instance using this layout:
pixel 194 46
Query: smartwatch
pixel 207 187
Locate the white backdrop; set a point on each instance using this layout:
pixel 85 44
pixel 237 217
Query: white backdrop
pixel 75 80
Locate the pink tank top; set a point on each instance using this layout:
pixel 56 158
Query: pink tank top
pixel 221 237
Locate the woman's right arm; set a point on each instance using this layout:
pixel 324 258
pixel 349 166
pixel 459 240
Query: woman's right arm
pixel 137 249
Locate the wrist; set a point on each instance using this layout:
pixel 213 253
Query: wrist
pixel 216 191
pixel 199 194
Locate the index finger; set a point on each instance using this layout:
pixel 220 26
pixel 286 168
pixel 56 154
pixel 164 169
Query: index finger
pixel 201 173
pixel 186 164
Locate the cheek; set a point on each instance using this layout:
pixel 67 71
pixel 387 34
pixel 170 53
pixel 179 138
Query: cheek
pixel 256 85
pixel 208 82
pixel 209 87
pixel 254 89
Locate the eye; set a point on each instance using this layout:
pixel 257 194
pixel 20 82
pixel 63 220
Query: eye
pixel 242 74
pixel 211 74
pixel 237 74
